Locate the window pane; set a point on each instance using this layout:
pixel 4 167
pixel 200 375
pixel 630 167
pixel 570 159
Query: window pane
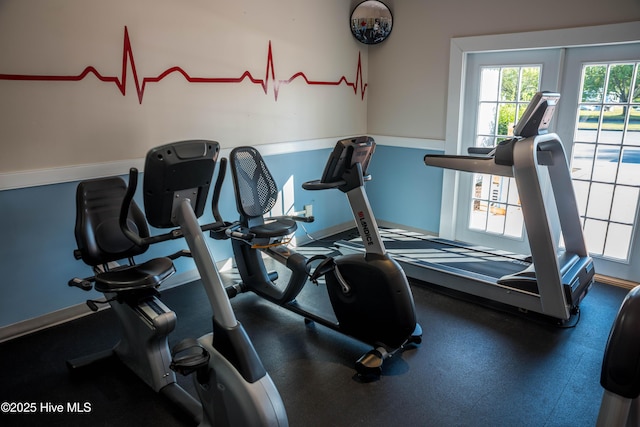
pixel 632 136
pixel 495 219
pixel 478 217
pixel 487 119
pixel 509 84
pixel 606 164
pixel 498 190
pixel 506 119
pixel 636 87
pixel 595 233
pixel 613 120
pixel 490 78
pixel 482 183
pixel 582 161
pixel 514 222
pixel 530 83
pixel 514 197
pixel 618 241
pixel 593 83
pixel 581 188
pixel 587 123
pixel 625 202
pixel 600 198
pixel 629 172
pixel 619 86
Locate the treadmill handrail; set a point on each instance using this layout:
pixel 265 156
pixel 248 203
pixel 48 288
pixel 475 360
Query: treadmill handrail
pixel 487 164
pixel 475 164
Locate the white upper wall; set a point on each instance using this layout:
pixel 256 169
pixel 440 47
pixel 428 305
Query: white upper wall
pixel 48 123
pixel 408 73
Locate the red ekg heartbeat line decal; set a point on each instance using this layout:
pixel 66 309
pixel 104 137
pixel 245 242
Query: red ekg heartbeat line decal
pixel 127 58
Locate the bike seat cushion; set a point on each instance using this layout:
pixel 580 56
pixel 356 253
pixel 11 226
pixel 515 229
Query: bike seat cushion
pixel 129 278
pixel 274 227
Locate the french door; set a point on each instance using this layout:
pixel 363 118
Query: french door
pixel 598 120
pixel 601 116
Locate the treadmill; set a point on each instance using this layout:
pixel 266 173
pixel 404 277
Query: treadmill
pixel 550 281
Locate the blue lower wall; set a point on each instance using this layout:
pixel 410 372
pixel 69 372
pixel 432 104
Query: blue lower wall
pixel 403 190
pixel 36 255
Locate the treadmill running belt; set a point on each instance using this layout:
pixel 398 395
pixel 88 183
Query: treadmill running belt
pixel 416 248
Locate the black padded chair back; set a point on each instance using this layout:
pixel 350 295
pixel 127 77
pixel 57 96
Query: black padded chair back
pixel 256 190
pixel 620 373
pixel 98 235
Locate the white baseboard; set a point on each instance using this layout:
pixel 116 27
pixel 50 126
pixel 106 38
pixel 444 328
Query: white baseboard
pixel 614 281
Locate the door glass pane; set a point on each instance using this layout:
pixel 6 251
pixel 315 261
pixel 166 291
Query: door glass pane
pixel 600 196
pixel 478 217
pixel 630 166
pixel 506 119
pixel 593 79
pixel 582 162
pixel 632 133
pixel 619 83
pixel 491 83
pixel 625 203
pixel 605 165
pixel 499 190
pixel 487 119
pixel 504 95
pixel 581 188
pixel 509 84
pixel 588 121
pixel 613 120
pixel 514 221
pixel 479 202
pixel 496 218
pixel 595 234
pixel 529 85
pixel 618 240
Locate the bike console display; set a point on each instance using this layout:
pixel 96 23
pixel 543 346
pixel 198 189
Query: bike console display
pixel 349 156
pixel 346 154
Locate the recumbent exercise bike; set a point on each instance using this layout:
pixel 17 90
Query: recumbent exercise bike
pixel 232 384
pixel 369 293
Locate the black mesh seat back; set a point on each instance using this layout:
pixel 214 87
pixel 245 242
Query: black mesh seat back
pixel 97 230
pixel 256 190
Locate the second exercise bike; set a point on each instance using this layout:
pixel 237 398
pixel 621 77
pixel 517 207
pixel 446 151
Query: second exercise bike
pixel 369 293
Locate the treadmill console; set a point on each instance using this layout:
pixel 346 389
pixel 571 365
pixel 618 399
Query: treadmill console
pixel 347 153
pixel 538 115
